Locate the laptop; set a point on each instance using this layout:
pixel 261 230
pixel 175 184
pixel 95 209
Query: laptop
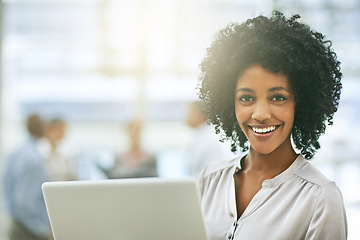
pixel 125 209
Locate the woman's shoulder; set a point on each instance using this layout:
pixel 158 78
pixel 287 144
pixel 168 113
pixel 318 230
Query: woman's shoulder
pixel 220 166
pixel 327 188
pixel 311 174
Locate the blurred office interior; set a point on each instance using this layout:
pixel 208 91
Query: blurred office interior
pixel 98 64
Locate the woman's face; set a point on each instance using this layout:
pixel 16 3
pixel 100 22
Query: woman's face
pixel 264 108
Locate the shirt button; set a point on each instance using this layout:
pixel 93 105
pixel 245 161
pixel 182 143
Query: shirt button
pixel 230 236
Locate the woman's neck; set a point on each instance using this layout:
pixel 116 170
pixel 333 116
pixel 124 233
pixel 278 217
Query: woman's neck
pixel 272 164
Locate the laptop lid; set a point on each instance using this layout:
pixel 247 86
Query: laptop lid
pixel 126 209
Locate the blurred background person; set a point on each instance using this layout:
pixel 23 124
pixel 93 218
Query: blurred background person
pixel 24 173
pixel 135 162
pixel 59 165
pixel 205 147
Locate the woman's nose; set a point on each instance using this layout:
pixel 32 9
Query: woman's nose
pixel 261 111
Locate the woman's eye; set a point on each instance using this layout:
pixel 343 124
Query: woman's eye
pixel 278 98
pixel 246 99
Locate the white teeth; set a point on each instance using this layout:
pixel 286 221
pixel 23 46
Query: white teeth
pixel 264 130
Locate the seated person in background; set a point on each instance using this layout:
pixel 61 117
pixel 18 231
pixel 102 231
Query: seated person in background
pixel 24 173
pixel 205 146
pixel 59 165
pixel 135 162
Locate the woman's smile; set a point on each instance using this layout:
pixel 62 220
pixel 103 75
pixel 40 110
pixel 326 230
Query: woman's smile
pixel 264 130
pixel 262 133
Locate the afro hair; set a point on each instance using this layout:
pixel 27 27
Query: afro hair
pixel 278 44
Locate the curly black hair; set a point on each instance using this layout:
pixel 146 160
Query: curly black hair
pixel 278 44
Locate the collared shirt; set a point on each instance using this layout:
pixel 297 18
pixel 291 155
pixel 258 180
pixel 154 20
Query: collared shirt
pixel 299 203
pixel 23 176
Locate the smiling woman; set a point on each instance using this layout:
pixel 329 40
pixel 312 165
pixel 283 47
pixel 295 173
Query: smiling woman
pixel 267 83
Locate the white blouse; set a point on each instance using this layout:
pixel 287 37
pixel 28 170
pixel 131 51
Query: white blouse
pixel 300 203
